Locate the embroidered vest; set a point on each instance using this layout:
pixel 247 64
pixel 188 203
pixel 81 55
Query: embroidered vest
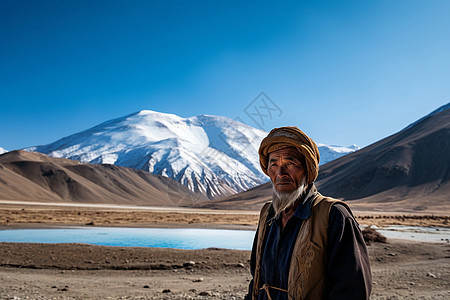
pixel 307 278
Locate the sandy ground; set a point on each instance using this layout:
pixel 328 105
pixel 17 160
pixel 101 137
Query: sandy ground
pixel 401 270
pixel 35 215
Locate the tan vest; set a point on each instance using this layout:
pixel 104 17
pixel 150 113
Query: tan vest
pixel 307 278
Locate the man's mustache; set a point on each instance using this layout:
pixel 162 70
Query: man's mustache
pixel 283 181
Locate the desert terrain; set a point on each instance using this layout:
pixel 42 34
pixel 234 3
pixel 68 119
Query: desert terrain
pixel 401 269
pixel 32 214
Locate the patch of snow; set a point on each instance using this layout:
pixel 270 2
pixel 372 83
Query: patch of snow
pixel 329 153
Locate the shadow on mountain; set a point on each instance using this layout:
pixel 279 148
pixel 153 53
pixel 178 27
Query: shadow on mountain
pixel 410 167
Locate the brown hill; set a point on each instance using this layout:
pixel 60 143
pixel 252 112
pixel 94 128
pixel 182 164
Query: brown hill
pixel 37 177
pixel 406 172
pixel 410 170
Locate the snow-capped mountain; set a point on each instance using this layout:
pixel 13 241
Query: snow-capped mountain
pixel 213 155
pixel 209 154
pixel 329 153
pixel 3 150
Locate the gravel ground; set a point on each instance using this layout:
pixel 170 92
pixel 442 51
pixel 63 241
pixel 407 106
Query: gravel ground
pixel 401 270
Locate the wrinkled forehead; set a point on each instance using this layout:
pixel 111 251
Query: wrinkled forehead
pixel 286 152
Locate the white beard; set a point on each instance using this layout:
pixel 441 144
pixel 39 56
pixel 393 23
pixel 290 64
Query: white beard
pixel 283 200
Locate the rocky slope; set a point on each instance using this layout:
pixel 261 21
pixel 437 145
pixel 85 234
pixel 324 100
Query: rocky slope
pixel 411 167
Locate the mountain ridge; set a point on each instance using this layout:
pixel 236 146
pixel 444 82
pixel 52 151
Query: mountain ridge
pixel 33 176
pixel 408 171
pixel 213 155
pixel 405 161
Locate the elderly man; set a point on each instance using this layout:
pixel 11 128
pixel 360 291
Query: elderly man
pixel 307 246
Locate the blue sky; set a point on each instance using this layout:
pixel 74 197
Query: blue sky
pixel 346 72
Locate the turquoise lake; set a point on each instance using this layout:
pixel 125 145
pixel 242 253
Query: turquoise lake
pixel 180 238
pixel 184 238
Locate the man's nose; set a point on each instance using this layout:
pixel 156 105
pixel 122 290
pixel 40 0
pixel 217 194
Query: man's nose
pixel 282 170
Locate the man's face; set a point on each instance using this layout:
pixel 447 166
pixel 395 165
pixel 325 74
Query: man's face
pixel 285 169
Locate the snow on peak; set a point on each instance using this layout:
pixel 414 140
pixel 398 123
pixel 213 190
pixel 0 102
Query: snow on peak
pixel 434 112
pixel 332 152
pixel 213 155
pixel 3 150
pixel 354 147
pixel 209 154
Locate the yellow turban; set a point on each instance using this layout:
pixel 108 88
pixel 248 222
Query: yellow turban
pixel 284 137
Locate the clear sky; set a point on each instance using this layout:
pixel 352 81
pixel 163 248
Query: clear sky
pixel 346 72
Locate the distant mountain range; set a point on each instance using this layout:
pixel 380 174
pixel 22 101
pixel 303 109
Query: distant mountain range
pixel 212 155
pixel 3 150
pixel 407 171
pixel 36 177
